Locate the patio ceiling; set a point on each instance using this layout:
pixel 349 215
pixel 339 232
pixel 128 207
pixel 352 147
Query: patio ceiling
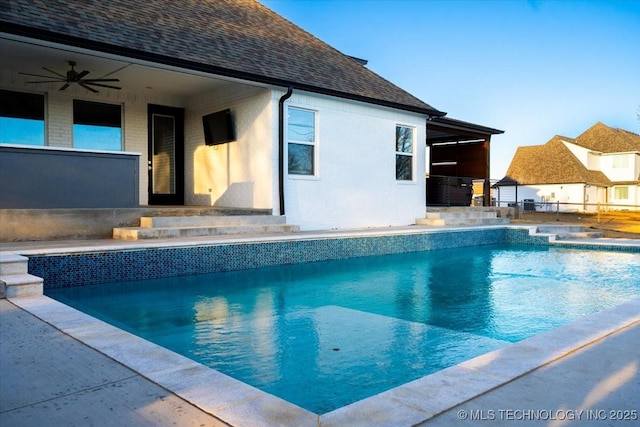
pixel 27 56
pixel 446 130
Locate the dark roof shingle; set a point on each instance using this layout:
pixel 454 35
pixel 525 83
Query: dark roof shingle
pixel 239 38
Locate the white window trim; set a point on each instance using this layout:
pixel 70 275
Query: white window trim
pixel 316 164
pixel 413 156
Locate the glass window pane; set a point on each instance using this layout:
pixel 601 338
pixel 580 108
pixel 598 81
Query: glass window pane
pixel 404 167
pixel 96 114
pixel 97 126
pixel 164 155
pixel 97 137
pixel 621 193
pixel 21 131
pixel 404 139
pixel 21 118
pixel 300 159
pixel 301 125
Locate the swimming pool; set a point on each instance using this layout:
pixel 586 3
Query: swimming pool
pixel 323 335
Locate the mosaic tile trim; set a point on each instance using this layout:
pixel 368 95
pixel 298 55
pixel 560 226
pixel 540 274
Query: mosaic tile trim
pixel 117 266
pixel 521 236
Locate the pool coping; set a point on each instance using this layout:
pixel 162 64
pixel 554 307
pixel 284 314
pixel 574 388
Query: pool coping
pixel 237 403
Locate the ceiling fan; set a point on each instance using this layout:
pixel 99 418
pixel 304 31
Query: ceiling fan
pixel 73 76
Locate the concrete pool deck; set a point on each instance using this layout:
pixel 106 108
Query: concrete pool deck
pixel 62 367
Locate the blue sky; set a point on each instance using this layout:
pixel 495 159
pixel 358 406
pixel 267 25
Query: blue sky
pixel 531 68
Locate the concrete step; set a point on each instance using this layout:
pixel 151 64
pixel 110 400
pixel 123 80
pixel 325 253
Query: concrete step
pixel 210 221
pixel 460 214
pixel 460 209
pixel 441 222
pixel 13 264
pixel 567 232
pixel 556 229
pixel 20 285
pixel 580 235
pixel 140 233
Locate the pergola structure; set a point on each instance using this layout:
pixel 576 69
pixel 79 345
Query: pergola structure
pixel 459 150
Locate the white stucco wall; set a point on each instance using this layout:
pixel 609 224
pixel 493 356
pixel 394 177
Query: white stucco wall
pixel 620 166
pixel 355 183
pixel 238 173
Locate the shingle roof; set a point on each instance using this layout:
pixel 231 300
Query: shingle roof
pixel 551 163
pixel 605 139
pixel 239 38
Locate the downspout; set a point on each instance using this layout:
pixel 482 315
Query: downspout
pixel 283 98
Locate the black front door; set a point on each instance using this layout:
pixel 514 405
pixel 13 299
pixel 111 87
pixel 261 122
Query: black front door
pixel 166 155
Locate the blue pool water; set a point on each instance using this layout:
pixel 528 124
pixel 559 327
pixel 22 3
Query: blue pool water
pixel 323 335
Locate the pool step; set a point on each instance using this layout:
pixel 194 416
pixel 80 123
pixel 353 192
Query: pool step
pixel 195 226
pixel 15 281
pixel 568 232
pixel 441 217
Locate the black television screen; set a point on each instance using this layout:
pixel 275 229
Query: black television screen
pixel 218 128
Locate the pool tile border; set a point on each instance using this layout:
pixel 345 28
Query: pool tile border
pixel 88 266
pixel 105 266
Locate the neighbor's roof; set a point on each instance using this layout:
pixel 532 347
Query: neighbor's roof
pixel 236 38
pixel 551 163
pixel 605 139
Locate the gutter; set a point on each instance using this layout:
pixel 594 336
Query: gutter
pixel 283 98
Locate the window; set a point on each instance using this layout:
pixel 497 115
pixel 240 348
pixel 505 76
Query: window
pixel 97 126
pixel 301 133
pixel 404 153
pixel 621 193
pixel 21 118
pixel 620 161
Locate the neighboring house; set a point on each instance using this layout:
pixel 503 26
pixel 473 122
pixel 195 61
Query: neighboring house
pixel 109 104
pixel 599 168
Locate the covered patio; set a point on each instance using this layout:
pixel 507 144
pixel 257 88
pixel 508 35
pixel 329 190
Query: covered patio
pixel 459 154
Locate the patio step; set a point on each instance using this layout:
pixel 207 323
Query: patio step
pixel 569 232
pixel 197 226
pixel 15 281
pixel 454 216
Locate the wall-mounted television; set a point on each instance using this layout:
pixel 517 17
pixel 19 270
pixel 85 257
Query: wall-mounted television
pixel 218 128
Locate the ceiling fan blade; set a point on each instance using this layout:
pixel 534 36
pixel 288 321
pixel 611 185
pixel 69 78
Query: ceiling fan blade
pixel 81 74
pixel 100 80
pixel 84 83
pixel 40 75
pixel 47 81
pixel 116 70
pixel 64 86
pixel 87 87
pixel 57 74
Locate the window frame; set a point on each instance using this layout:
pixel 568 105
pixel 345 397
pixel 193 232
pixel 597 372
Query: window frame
pixel 410 154
pixel 620 161
pixel 89 120
pixel 313 144
pixel 43 111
